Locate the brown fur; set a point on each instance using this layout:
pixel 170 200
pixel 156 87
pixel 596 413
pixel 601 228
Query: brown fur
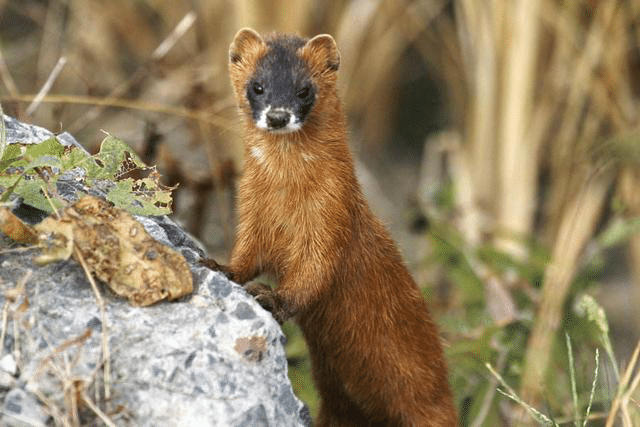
pixel 376 354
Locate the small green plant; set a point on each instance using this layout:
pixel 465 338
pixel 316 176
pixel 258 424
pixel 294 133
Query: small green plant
pixel 36 171
pixel 578 419
pixel 479 339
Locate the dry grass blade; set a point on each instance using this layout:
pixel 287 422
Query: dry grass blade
pixel 67 344
pixel 141 73
pixel 576 229
pixel 46 87
pixel 55 412
pixel 376 52
pixel 511 394
pixel 518 153
pixel 105 327
pixel 572 376
pixel 491 391
pixel 626 389
pixel 10 297
pixel 87 401
pixel 58 364
pixel 74 388
pixel 178 32
pixel 593 389
pixel 211 118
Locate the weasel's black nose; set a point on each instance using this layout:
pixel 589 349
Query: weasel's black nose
pixel 277 119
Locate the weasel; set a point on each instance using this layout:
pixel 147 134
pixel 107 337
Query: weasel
pixel 302 218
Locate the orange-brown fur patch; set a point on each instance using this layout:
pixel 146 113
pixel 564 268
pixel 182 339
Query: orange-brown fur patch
pixel 376 354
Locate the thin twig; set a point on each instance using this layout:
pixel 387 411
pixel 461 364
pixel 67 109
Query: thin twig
pixel 19 250
pixel 622 387
pixel 58 364
pixel 53 207
pixel 46 87
pixel 593 389
pixel 55 412
pixel 105 330
pixel 141 73
pixel 627 398
pixel 69 389
pixel 211 118
pixel 8 299
pixel 178 32
pixel 511 394
pixel 66 344
pixel 572 376
pixel 491 391
pixel 20 290
pixel 96 410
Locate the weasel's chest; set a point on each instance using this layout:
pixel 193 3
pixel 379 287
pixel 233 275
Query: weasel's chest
pixel 291 190
pixel 290 216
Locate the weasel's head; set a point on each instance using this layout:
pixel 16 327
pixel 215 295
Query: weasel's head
pixel 279 81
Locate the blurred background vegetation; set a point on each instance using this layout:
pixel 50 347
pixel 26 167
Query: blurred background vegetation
pixel 499 139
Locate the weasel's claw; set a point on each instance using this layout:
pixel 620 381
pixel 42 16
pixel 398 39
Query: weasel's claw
pixel 211 264
pixel 269 300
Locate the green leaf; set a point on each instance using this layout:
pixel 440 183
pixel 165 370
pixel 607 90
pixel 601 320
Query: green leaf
pixel 21 167
pixel 50 147
pixel 27 169
pixel 128 195
pixel 13 150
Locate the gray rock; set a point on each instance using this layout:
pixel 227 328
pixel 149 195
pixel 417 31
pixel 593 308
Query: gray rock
pixel 18 132
pixel 214 358
pixel 22 409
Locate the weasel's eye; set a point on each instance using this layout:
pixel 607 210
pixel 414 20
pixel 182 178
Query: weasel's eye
pixel 304 92
pixel 258 89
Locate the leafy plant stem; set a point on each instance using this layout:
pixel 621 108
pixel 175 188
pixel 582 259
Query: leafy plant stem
pixel 593 389
pixel 572 375
pixel 511 394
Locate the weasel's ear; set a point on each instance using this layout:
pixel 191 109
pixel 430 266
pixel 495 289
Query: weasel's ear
pixel 323 48
pixel 244 40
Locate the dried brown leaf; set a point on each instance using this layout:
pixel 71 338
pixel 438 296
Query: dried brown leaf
pixel 118 250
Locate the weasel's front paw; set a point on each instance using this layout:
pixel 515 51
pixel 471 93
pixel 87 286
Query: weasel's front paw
pixel 269 300
pixel 213 265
